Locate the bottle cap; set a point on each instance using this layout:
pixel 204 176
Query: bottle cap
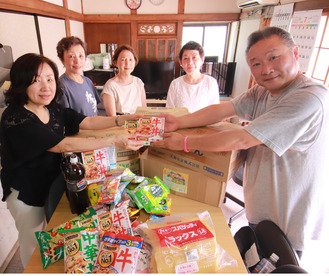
pixel 274 257
pixel 73 159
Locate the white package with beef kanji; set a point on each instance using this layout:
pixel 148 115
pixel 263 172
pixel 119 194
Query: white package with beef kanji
pixel 98 163
pixel 146 129
pixel 120 217
pixel 118 254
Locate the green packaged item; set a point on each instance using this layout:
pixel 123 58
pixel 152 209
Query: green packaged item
pixel 154 197
pixel 51 242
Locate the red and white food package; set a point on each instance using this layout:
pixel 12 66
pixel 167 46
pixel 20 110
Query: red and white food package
pixel 120 217
pixel 98 163
pixel 146 129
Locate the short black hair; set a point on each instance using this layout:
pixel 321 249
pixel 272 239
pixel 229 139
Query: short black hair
pixel 191 45
pixel 23 71
pixel 267 32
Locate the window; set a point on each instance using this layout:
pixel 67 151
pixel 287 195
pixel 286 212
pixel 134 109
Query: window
pixel 211 37
pixel 319 64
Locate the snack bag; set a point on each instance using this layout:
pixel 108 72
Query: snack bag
pixel 118 254
pixel 184 243
pixel 51 242
pixel 88 222
pixel 147 129
pixel 98 163
pixel 81 250
pixel 114 186
pixel 154 197
pixel 131 190
pixel 109 190
pixel 94 190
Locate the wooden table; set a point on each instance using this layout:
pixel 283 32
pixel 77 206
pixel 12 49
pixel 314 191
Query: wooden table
pixel 179 205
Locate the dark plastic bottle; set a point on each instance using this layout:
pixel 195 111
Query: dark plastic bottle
pixel 76 186
pixel 65 162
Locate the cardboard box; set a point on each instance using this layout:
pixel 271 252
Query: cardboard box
pixel 132 164
pixel 121 154
pixel 176 111
pixel 220 166
pixel 183 181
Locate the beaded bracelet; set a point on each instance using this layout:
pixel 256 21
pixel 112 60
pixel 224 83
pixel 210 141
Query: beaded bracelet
pixel 185 142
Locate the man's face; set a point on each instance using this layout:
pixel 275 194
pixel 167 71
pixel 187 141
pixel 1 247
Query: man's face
pixel 273 65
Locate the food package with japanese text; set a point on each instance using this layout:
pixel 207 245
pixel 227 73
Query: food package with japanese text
pixel 98 163
pixel 114 186
pixel 153 197
pixel 51 242
pixel 81 251
pixel 118 253
pixel 147 129
pixel 184 243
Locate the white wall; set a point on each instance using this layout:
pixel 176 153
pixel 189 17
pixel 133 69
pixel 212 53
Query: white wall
pixel 77 29
pixel 50 39
pixel 210 6
pixel 74 5
pixel 167 7
pixel 105 6
pixel 242 73
pixel 18 31
pixel 56 2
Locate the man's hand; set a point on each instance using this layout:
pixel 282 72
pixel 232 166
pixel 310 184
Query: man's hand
pixel 172 141
pixel 171 122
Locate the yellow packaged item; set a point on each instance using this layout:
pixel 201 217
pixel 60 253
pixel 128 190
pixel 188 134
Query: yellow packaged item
pixel 184 243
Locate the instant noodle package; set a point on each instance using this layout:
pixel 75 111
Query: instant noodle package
pixel 118 253
pixel 80 251
pixel 51 242
pixel 184 243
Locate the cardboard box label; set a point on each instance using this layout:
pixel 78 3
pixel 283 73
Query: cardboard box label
pixel 175 180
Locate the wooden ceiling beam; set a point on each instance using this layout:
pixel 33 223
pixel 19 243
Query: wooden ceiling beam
pixel 125 18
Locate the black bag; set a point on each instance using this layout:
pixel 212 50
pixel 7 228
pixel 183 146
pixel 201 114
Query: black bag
pixel 268 238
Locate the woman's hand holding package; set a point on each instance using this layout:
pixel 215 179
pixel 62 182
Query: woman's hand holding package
pixel 172 141
pixel 126 141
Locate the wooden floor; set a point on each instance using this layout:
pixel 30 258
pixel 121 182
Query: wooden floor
pixel 15 265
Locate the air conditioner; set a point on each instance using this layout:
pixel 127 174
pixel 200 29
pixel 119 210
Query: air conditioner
pixel 244 4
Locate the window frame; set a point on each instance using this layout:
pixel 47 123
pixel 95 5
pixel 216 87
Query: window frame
pixel 312 70
pixel 212 24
